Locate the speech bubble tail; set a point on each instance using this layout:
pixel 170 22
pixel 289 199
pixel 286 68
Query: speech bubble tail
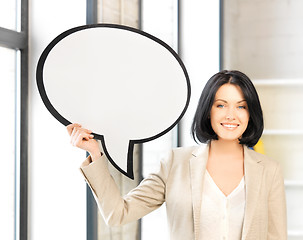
pixel 116 158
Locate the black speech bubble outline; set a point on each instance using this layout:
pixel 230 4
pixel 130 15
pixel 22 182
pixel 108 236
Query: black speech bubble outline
pixel 65 122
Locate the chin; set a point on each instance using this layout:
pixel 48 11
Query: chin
pixel 229 138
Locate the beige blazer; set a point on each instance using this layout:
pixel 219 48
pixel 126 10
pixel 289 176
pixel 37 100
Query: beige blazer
pixel 179 183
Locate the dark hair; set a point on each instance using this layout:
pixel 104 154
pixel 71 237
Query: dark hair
pixel 201 127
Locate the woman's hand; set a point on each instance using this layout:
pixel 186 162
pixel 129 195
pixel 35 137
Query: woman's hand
pixel 83 138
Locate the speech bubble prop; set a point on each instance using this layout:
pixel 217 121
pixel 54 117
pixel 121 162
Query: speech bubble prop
pixel 124 84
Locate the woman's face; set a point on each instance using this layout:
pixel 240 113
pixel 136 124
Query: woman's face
pixel 229 114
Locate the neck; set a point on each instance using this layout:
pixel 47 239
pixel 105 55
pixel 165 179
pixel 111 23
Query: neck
pixel 225 147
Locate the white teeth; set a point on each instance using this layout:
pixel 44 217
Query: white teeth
pixel 229 126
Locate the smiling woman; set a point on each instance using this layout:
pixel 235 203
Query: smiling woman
pixel 247 186
pixel 229 119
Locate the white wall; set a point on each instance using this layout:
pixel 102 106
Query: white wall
pixel 264 38
pixel 57 193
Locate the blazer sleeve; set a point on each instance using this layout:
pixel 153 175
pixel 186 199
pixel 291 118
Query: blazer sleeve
pixel 277 222
pixel 115 209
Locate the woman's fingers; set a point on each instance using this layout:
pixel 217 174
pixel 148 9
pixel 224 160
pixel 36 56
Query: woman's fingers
pixel 83 138
pixel 71 127
pixel 79 135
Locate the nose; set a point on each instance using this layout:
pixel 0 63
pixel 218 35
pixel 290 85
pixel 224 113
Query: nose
pixel 230 115
pixel 230 118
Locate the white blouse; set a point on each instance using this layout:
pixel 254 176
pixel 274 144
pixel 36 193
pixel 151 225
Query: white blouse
pixel 222 216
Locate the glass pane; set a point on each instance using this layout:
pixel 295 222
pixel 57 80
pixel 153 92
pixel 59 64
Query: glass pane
pixel 8 9
pixel 7 141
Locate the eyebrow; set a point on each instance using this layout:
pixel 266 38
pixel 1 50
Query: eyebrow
pixel 226 101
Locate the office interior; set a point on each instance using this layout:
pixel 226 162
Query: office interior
pixel 44 195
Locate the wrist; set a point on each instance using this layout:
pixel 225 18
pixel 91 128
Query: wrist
pixel 94 156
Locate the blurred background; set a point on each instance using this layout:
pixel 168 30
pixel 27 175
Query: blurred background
pixel 43 196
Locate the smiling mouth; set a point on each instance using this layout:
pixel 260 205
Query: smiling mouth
pixel 230 126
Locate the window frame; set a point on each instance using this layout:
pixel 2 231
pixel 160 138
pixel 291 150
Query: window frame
pixel 91 205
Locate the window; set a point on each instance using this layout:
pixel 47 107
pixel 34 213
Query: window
pixel 7 143
pixel 8 14
pixel 13 105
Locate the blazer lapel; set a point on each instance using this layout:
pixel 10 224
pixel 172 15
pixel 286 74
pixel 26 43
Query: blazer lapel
pixel 197 169
pixel 253 177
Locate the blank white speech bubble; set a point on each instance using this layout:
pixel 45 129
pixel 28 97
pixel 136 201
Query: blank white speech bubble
pixel 125 85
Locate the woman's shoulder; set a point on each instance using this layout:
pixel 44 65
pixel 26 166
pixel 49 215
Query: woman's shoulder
pixel 188 152
pixel 185 150
pixel 178 154
pixel 182 155
pixel 262 159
